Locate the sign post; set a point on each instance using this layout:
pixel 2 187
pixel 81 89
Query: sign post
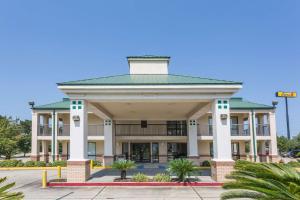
pixel 287 95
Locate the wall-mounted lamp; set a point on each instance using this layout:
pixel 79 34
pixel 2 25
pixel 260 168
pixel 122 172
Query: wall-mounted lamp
pixel 274 103
pixel 76 118
pixel 31 103
pixel 224 116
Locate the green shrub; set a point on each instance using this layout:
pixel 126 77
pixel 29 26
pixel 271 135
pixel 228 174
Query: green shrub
pixel 123 166
pixel 9 163
pixel 20 164
pixel 61 163
pixel 29 164
pixel 40 164
pixel 182 168
pixel 162 177
pixel 140 177
pixel 97 163
pixel 294 164
pixel 206 163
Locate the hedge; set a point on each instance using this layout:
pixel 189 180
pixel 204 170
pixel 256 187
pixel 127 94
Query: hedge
pixel 19 163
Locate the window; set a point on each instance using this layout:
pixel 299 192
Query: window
pixel 144 124
pixel 177 128
pixel 247 147
pixel 92 150
pixel 211 149
pixel 155 152
pixel 234 125
pixel 210 126
pixel 177 150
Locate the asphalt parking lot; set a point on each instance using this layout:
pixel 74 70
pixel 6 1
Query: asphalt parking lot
pixel 29 182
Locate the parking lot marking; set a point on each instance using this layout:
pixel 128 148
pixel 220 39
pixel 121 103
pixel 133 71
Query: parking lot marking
pixel 100 191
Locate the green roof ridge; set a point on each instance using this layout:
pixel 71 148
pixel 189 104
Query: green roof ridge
pixel 167 80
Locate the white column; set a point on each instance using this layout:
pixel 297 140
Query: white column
pixel 78 130
pixel 108 138
pixel 34 139
pixel 221 130
pixel 273 133
pixel 192 138
pixel 54 143
pixel 253 142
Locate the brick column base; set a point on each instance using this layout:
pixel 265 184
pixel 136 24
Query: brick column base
pixel 35 158
pixel 220 169
pixel 78 171
pixel 194 159
pixel 108 161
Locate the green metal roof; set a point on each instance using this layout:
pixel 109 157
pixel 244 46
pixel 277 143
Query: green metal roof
pixel 239 103
pixel 150 79
pixel 60 105
pixel 235 103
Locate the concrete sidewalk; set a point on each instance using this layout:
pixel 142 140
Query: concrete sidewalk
pixel 29 182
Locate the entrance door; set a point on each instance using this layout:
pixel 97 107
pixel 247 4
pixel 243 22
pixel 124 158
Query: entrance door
pixel 140 152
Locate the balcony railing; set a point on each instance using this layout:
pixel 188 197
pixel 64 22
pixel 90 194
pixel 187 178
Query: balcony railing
pixel 205 130
pixel 263 130
pixel 240 130
pixel 150 130
pixel 64 130
pixel 236 130
pixel 45 130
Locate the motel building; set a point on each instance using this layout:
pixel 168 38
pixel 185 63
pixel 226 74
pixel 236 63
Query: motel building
pixel 152 116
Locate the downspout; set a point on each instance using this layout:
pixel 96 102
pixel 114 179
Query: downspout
pixel 253 134
pixel 53 134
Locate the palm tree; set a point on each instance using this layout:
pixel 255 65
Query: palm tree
pixel 123 166
pixel 263 181
pixel 182 168
pixel 4 194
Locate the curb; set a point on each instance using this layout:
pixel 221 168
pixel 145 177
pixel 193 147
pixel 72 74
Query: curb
pixel 156 184
pixel 29 168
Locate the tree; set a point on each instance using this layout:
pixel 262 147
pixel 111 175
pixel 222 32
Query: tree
pixel 24 143
pixel 4 194
pixel 8 147
pixel 263 181
pixel 285 145
pixel 26 127
pixel 9 130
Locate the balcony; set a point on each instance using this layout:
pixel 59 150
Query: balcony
pixel 236 130
pixel 205 130
pixel 64 130
pixel 263 129
pixel 45 130
pixel 240 130
pixel 150 130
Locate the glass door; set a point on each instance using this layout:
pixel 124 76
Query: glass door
pixel 140 152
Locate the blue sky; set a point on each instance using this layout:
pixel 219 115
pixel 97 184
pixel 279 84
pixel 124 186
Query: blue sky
pixel 45 42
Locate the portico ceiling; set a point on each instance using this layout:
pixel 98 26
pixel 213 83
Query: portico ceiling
pixel 150 110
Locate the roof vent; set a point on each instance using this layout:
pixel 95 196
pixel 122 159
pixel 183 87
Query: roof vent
pixel 148 64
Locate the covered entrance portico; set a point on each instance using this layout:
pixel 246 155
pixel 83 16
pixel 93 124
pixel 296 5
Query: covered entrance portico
pixel 172 134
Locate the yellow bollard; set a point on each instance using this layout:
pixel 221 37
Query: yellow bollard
pixel 92 164
pixel 59 172
pixel 44 179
